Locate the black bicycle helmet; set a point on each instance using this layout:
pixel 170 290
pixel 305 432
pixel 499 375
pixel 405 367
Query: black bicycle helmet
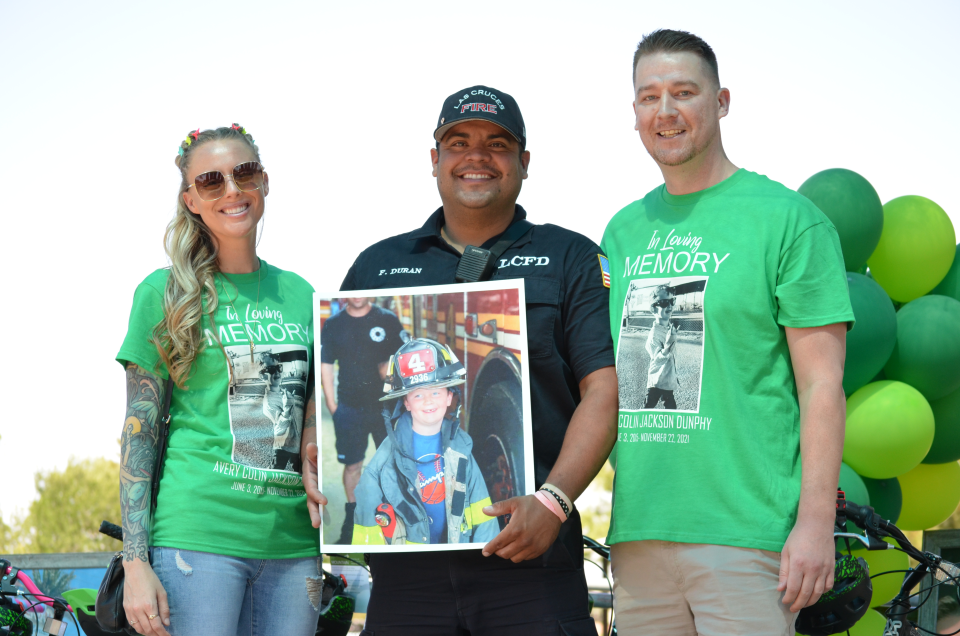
pixel 839 609
pixel 336 608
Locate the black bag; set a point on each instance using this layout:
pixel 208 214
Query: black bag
pixel 109 606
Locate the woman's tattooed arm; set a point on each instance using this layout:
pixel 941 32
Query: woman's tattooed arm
pixel 138 453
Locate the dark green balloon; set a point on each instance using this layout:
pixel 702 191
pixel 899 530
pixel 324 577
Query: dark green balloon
pixel 950 285
pixel 927 353
pixel 854 207
pixel 871 341
pixel 946 438
pixel 885 497
pixel 854 490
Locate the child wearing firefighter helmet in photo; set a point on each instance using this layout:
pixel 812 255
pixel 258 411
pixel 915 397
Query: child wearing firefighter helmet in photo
pixel 423 484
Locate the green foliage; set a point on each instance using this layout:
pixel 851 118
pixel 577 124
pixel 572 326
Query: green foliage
pixel 71 504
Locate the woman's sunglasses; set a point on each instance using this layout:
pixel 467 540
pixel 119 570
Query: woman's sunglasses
pixel 213 185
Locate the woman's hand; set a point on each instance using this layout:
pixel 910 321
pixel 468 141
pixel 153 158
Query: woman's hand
pixel 143 598
pixel 311 483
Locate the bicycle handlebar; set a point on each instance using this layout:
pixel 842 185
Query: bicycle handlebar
pixel 111 530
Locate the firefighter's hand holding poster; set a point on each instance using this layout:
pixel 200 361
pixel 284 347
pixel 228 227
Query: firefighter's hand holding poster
pixel 424 415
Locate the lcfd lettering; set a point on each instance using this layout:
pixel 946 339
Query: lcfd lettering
pixel 518 261
pixel 475 106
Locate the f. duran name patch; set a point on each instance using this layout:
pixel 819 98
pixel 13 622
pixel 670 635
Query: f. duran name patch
pixel 604 270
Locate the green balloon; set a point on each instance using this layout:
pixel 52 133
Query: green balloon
pixel 885 586
pixel 854 208
pixel 946 438
pixel 853 487
pixel 889 429
pixel 927 352
pixel 873 623
pixel 872 338
pixel 931 493
pixel 885 497
pixel 853 490
pixel 950 285
pixel 916 248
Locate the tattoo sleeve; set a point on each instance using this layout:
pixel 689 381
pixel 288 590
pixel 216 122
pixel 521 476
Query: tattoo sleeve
pixel 138 453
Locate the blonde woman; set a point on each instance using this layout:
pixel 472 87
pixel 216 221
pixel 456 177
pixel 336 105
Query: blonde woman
pixel 230 545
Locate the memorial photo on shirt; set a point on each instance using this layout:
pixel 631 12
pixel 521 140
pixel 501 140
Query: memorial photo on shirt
pixel 267 396
pixel 660 352
pixel 424 415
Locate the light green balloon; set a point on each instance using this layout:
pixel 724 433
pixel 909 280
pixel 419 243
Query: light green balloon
pixel 950 285
pixel 854 208
pixel 927 351
pixel 889 429
pixel 873 623
pixel 916 248
pixel 931 493
pixel 886 586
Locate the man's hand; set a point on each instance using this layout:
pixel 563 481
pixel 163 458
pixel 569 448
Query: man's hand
pixel 311 484
pixel 532 529
pixel 806 565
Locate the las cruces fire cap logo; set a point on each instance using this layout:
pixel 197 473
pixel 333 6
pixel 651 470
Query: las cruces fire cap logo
pixel 482 102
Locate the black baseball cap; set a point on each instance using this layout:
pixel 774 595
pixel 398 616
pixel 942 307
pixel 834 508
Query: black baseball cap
pixel 482 102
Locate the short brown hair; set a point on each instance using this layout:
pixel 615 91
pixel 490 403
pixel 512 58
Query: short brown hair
pixel 670 41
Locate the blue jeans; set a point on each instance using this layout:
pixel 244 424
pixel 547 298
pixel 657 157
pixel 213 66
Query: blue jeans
pixel 218 595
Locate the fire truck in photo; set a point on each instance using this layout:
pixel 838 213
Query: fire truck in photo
pixel 483 329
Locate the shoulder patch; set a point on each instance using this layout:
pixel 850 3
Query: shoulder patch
pixel 604 270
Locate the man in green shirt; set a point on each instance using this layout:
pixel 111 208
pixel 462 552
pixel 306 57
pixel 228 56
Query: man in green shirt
pixel 724 495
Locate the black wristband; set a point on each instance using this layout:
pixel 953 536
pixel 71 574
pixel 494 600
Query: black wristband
pixel 563 504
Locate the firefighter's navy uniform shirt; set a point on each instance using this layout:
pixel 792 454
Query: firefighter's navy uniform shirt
pixel 568 333
pixel 360 344
pixel 568 325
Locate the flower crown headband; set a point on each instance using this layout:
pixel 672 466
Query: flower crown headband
pixel 194 135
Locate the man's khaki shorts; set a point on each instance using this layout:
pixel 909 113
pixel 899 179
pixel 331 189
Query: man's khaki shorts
pixel 694 589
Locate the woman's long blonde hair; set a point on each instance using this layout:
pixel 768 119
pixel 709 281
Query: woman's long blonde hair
pixel 193 252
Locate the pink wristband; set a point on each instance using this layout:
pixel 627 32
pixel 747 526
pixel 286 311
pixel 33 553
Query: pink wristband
pixel 550 503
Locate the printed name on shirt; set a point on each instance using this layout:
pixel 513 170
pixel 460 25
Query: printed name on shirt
pixel 662 421
pixel 400 270
pixel 520 261
pixel 676 254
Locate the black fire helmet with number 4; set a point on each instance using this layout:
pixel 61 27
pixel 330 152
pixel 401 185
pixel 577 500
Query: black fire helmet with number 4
pixel 422 363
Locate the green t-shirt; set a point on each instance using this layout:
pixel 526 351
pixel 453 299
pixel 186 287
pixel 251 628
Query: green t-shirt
pixel 231 479
pixel 703 284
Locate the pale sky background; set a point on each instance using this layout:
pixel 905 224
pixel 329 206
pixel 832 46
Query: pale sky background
pixel 342 100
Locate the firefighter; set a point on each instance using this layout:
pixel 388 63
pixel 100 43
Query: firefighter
pixel 529 578
pixel 426 460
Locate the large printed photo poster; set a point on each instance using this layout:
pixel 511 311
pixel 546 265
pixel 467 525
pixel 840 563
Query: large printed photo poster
pixel 424 415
